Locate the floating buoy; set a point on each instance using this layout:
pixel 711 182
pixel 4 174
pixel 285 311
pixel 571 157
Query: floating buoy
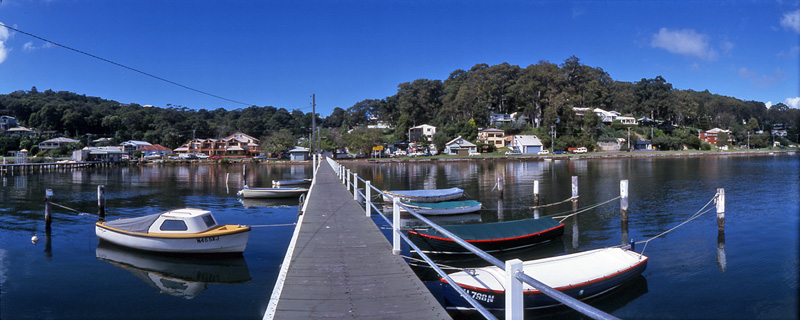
pixel 34 239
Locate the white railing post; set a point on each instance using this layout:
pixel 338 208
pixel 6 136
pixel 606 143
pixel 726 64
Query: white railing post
pixel 514 305
pixel 348 180
pixel 344 173
pixel 368 196
pixel 396 225
pixel 355 186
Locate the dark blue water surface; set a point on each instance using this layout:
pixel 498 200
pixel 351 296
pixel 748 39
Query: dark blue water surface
pixel 749 272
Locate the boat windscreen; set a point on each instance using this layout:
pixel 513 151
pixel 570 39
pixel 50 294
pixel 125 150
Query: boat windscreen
pixel 138 224
pixel 209 220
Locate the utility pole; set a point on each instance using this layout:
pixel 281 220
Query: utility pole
pixel 313 123
pixel 748 140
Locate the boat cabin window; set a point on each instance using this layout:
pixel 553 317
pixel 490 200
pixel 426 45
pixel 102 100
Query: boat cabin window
pixel 173 225
pixel 209 220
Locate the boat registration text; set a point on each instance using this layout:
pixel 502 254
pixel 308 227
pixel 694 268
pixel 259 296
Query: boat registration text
pixel 207 239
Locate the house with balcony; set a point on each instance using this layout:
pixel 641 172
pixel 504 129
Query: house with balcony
pixel 711 136
pixel 56 143
pixel 132 146
pixel 237 144
pixel 415 133
pixel 492 136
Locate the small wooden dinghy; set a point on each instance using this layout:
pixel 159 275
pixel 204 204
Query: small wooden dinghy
pixel 443 208
pixel 581 275
pixel 185 230
pixel 489 237
pixel 267 193
pixel 426 196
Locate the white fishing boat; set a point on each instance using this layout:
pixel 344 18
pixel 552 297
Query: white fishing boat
pixel 581 275
pixel 443 208
pixel 284 183
pixel 185 230
pixel 426 196
pixel 265 193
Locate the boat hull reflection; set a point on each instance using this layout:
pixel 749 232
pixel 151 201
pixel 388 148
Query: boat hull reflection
pixel 183 276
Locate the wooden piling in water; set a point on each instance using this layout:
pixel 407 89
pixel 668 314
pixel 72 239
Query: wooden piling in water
pixel 101 202
pixel 536 193
pixel 574 188
pixel 47 210
pixel 623 200
pixel 500 184
pixel 721 210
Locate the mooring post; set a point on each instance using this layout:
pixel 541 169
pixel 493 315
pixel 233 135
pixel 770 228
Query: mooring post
pixel 536 193
pixel 623 200
pixel 574 188
pixel 721 210
pixel 500 184
pixel 101 202
pixel 396 225
pixel 47 218
pixel 368 200
pixel 355 186
pixel 514 306
pixel 244 174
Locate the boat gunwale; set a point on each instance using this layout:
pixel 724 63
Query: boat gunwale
pixel 561 225
pixel 562 288
pixel 212 232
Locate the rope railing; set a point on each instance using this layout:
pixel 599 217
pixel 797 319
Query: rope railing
pixel 559 296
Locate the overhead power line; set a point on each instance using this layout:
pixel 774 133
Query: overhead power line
pixel 126 67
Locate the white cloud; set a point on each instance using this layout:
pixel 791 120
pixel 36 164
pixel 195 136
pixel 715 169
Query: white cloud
pixel 769 104
pixel 685 42
pixel 29 46
pixel 4 35
pixel 791 20
pixel 793 102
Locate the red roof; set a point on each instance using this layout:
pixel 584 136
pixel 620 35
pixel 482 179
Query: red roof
pixel 155 147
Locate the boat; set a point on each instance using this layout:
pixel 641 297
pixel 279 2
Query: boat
pixel 186 230
pixel 443 208
pixel 489 237
pixel 298 182
pixel 426 196
pixel 265 193
pixel 580 275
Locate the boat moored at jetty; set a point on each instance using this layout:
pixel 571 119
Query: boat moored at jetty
pixel 489 237
pixel 443 208
pixel 187 230
pixel 297 182
pixel 267 193
pixel 581 275
pixel 426 196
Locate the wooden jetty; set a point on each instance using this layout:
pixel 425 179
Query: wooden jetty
pixel 22 168
pixel 340 265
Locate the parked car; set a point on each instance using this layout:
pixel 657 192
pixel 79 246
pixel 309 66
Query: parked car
pixel 201 156
pixel 581 150
pixel 544 152
pixel 215 157
pixel 558 152
pixel 512 153
pixel 261 156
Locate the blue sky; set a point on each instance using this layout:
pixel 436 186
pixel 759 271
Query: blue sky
pixel 277 53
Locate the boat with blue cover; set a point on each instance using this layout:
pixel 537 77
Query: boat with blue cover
pixel 443 208
pixel 581 275
pixel 489 237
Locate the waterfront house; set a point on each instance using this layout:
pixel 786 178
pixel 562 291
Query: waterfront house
pixel 493 136
pixel 237 144
pixel 526 144
pixel 56 143
pixel 460 146
pixel 131 146
pixel 298 154
pixel 415 133
pixel 156 149
pixel 19 131
pixel 104 154
pixel 710 136
pixel 643 145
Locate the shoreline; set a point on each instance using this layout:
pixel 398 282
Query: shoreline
pixel 592 155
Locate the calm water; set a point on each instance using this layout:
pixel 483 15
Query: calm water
pixel 752 272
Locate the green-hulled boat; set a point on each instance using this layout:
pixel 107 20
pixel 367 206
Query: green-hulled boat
pixel 489 237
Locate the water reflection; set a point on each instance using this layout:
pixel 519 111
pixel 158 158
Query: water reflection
pixel 184 277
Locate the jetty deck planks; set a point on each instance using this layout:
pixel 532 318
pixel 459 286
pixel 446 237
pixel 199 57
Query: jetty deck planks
pixel 342 266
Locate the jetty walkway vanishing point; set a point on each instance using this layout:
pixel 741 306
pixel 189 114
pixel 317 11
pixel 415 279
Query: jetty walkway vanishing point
pixel 340 265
